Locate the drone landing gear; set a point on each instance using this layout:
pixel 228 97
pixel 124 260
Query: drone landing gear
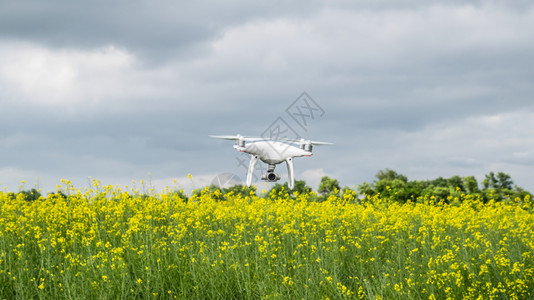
pixel 253 161
pixel 271 176
pixel 290 173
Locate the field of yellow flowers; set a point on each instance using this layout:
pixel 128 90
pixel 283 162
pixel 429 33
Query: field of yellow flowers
pixel 107 243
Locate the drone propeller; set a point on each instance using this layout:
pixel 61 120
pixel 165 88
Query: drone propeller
pixel 227 137
pixel 237 138
pixel 308 142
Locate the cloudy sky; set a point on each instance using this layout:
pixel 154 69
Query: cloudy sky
pixel 129 90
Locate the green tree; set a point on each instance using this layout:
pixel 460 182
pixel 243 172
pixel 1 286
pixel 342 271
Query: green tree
pixel 301 187
pixel 440 182
pixel 180 194
pixel 500 187
pixel 389 183
pixel 392 184
pixel 277 189
pixel 504 181
pixel 471 184
pixel 397 186
pixel 521 193
pixel 328 186
pixel 415 188
pixel 213 191
pixel 389 175
pixel 366 189
pixel 456 182
pixel 441 192
pixel 31 195
pixel 490 181
pixel 240 189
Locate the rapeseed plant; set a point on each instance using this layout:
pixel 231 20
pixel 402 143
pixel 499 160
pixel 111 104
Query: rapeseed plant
pixel 105 242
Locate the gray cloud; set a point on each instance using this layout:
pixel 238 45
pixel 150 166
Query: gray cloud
pixel 166 29
pixel 118 90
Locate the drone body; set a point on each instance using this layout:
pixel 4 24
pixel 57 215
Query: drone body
pixel 272 153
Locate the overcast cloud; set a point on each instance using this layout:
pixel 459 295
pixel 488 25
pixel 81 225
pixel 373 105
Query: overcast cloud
pixel 130 90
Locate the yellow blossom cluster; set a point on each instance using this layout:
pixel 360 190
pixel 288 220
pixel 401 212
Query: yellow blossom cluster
pixel 108 243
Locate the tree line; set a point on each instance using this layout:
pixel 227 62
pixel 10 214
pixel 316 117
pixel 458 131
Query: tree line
pixel 495 186
pixel 388 183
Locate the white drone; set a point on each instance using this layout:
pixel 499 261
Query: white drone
pixel 271 152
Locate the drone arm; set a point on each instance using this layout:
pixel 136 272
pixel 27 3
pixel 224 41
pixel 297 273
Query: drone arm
pixel 253 161
pixel 291 177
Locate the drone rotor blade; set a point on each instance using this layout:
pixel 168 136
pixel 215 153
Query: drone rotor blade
pixel 239 137
pixel 304 142
pixel 226 137
pixel 255 139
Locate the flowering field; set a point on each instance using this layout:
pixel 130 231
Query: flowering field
pixel 106 243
